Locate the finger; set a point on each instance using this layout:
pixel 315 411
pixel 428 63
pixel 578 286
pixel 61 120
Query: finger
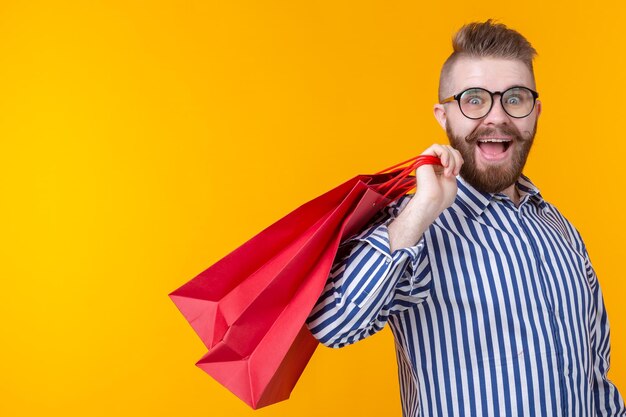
pixel 439 151
pixel 450 161
pixel 456 161
pixel 427 173
pixel 458 158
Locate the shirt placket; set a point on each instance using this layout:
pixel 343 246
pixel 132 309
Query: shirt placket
pixel 549 300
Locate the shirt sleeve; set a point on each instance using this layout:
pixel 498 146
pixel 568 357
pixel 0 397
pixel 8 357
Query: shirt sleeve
pixel 607 399
pixel 367 283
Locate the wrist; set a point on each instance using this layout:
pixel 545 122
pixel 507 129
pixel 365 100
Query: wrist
pixel 423 211
pixel 408 228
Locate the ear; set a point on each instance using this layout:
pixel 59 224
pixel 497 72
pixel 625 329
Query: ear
pixel 538 106
pixel 440 115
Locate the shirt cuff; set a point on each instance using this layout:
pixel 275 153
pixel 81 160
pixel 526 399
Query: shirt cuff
pixel 403 262
pixel 378 238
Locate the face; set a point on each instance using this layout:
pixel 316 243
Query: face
pixel 495 147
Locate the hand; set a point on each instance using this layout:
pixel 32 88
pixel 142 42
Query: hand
pixel 436 185
pixel 436 191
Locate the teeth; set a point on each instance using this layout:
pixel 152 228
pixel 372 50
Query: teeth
pixel 494 140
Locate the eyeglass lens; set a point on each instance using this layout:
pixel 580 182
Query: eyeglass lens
pixel 517 102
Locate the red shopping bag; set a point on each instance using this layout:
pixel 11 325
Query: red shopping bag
pixel 250 307
pixel 216 297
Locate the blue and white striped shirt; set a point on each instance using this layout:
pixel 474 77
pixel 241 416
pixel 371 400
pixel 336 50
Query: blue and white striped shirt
pixel 496 311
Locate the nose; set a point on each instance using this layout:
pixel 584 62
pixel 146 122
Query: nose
pixel 496 115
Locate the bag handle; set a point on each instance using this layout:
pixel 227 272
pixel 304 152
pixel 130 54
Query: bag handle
pixel 398 179
pixel 435 161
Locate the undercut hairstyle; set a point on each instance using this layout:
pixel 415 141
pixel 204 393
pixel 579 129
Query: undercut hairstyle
pixel 486 40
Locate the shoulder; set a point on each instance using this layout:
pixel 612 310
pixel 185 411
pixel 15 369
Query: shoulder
pixel 571 232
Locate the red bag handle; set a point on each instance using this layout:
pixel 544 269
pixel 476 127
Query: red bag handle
pixel 427 160
pixel 398 179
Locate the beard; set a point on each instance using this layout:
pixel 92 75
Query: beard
pixel 495 177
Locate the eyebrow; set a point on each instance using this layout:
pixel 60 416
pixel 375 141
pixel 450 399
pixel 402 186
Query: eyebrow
pixel 485 88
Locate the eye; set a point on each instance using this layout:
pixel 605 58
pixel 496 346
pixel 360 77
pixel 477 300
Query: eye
pixel 517 97
pixel 473 100
pixel 513 100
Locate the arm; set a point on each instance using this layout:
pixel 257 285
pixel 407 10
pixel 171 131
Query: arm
pixel 385 268
pixel 367 283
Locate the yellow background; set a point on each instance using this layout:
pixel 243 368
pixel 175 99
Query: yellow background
pixel 144 140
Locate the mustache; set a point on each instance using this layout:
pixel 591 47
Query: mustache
pixel 502 130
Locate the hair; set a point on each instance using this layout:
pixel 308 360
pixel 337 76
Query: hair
pixel 486 40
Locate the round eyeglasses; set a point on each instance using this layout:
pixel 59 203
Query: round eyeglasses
pixel 476 102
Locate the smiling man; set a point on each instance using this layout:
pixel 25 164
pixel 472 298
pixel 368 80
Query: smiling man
pixel 489 291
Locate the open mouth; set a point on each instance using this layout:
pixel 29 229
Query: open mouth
pixel 493 148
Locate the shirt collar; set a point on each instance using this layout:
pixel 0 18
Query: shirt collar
pixel 471 200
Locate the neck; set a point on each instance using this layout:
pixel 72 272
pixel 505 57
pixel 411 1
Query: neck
pixel 512 193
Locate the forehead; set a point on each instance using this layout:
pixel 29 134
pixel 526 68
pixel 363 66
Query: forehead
pixel 494 74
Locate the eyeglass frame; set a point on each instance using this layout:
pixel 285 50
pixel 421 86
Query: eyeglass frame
pixel 501 93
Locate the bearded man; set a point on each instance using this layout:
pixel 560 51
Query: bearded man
pixel 489 291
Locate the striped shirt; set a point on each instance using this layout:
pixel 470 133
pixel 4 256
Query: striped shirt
pixel 496 311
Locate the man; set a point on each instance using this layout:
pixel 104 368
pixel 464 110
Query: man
pixel 489 291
